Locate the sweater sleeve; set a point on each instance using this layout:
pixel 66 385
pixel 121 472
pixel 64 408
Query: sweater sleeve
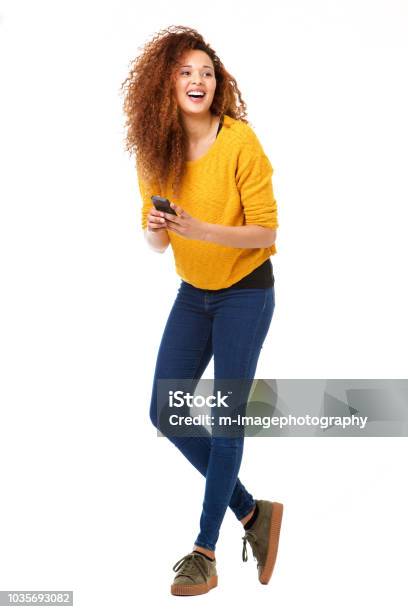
pixel 146 201
pixel 146 191
pixel 254 182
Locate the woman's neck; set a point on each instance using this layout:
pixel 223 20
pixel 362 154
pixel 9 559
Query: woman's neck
pixel 199 129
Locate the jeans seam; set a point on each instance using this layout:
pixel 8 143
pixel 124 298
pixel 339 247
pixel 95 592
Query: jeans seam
pixel 250 351
pixel 204 347
pixel 254 334
pixel 201 356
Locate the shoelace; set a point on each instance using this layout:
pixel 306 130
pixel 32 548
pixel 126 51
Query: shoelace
pixel 189 561
pixel 250 537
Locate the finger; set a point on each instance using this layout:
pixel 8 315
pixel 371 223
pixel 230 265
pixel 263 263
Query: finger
pixel 151 228
pixel 173 227
pixel 152 225
pixel 170 217
pixel 159 219
pixel 178 209
pixel 156 213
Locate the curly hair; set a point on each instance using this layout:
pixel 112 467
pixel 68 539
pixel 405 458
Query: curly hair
pixel 154 131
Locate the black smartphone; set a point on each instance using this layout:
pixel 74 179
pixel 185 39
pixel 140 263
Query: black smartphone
pixel 162 204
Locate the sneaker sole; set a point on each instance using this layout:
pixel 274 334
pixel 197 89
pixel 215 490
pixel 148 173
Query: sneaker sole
pixel 194 589
pixel 274 532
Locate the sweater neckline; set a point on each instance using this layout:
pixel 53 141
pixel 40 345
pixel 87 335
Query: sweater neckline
pixel 209 151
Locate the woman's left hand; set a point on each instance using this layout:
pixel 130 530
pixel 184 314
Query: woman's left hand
pixel 184 224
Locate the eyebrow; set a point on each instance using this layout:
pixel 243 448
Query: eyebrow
pixel 190 66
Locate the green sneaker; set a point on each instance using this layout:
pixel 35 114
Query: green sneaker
pixel 195 575
pixel 263 538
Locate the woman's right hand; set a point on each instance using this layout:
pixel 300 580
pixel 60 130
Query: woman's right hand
pixel 156 220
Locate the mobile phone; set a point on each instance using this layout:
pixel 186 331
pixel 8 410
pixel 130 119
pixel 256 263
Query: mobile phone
pixel 162 204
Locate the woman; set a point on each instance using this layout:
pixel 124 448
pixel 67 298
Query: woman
pixel 187 124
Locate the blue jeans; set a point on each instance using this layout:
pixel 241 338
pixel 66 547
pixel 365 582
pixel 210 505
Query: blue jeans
pixel 231 325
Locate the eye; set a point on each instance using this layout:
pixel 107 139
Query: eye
pixel 188 72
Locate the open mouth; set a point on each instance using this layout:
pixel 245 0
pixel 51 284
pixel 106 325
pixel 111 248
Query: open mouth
pixel 196 96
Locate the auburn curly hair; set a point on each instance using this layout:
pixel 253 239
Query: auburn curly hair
pixel 155 133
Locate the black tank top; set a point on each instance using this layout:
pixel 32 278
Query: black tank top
pixel 260 278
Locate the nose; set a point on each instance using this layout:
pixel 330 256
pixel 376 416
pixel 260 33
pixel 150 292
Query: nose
pixel 195 76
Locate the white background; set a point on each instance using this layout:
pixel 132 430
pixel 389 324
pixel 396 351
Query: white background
pixel 91 499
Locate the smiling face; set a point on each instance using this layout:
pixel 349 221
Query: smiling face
pixel 195 83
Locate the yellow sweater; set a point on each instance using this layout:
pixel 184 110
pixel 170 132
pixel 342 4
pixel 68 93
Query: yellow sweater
pixel 229 185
